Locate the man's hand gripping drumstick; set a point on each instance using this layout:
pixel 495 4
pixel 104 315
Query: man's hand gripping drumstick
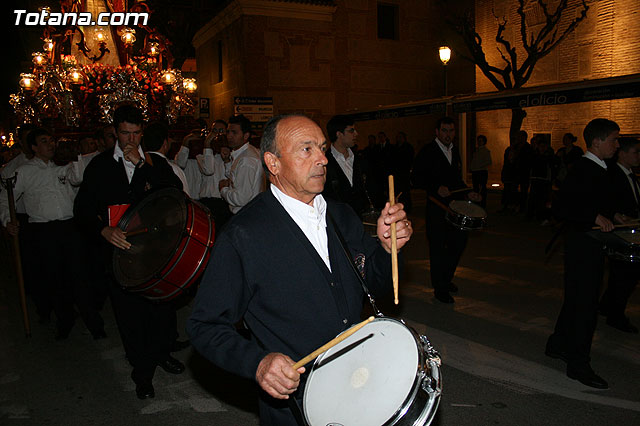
pixel 279 376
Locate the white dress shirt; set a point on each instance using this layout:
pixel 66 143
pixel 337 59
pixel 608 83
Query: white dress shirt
pixel 45 190
pixel 178 172
pixel 191 171
pixel 312 220
pixel 129 167
pixel 247 177
pixel 75 170
pixel 591 156
pixel 346 164
pixel 213 169
pixel 446 150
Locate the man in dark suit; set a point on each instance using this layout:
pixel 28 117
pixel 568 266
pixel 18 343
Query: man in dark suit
pixel 279 266
pixel 438 170
pixel 582 203
pixel 345 181
pixel 625 196
pixel 125 175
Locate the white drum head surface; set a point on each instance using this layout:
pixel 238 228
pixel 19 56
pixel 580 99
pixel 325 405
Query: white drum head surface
pixel 467 208
pixel 366 384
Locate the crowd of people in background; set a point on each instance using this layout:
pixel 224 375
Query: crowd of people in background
pixel 65 182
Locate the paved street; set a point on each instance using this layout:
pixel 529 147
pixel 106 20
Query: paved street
pixel 491 340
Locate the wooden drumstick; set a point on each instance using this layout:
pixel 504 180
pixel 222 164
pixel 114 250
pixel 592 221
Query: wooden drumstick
pixel 304 361
pixel 622 225
pixel 440 204
pixel 394 245
pixel 460 190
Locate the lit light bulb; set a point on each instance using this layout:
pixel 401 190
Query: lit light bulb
pixel 445 54
pixel 154 48
pixel 169 77
pixel 100 35
pixel 128 36
pixel 190 85
pixel 38 58
pixel 48 45
pixel 28 81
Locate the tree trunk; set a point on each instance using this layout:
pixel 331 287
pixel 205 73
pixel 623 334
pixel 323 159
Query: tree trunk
pixel 517 117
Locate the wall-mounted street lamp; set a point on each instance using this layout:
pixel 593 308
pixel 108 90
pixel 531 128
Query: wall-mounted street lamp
pixel 445 56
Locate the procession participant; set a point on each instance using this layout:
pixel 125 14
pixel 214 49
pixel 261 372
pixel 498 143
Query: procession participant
pixel 278 266
pixel 120 176
pixel 584 202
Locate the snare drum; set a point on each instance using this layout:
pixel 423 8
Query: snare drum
pixel 624 245
pixel 171 242
pixel 466 215
pixel 384 374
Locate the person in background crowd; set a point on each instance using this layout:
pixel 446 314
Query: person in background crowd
pixel 541 175
pixel 438 170
pixel 625 195
pixel 403 161
pixel 246 178
pixel 567 155
pixel 480 162
pixel 155 140
pixel 344 175
pixel 119 176
pixel 187 159
pixel 88 147
pixel 57 255
pixel 584 202
pixel 105 137
pixel 215 166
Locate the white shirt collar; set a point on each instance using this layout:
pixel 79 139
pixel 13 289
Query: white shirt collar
pixel 624 169
pixel 236 152
pixel 591 156
pixel 338 155
pixel 317 212
pixel 443 146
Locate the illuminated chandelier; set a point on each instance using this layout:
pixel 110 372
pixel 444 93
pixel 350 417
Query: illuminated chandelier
pixel 60 89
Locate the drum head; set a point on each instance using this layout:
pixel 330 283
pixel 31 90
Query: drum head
pixel 164 215
pixel 467 208
pixel 365 379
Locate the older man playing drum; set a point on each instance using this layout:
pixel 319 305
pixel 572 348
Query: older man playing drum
pixel 278 266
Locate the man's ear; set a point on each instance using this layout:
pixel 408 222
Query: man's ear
pixel 272 162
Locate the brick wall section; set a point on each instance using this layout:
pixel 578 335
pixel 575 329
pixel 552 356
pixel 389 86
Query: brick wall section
pixel 606 44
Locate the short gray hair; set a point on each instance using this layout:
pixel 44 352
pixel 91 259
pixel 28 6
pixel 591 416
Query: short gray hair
pixel 269 135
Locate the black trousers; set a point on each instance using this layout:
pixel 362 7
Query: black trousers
pixel 60 277
pixel 446 245
pixel 583 273
pixel 219 210
pixel 147 329
pixel 623 278
pixel 479 179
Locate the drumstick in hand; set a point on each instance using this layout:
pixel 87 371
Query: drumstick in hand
pixel 394 245
pixel 460 190
pixel 622 225
pixel 304 361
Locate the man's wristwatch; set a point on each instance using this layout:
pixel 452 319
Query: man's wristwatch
pixel 140 162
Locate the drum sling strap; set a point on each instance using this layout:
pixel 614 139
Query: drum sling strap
pixel 345 250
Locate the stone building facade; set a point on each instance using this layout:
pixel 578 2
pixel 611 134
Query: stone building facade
pixel 326 57
pixel 606 44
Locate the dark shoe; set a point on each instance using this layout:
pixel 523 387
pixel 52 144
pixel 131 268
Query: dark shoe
pixel 452 288
pixel 443 296
pixel 179 345
pixel 556 353
pixel 587 377
pixel 172 365
pixel 622 324
pixel 100 334
pixel 145 390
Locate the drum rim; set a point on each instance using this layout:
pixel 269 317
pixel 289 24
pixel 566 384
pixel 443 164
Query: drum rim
pixel 415 386
pixel 124 221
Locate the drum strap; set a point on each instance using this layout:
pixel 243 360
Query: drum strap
pixel 345 250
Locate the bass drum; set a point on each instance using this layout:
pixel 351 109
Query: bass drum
pixel 383 374
pixel 171 238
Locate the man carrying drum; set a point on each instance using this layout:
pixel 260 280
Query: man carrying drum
pixel 119 176
pixel 438 170
pixel 278 265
